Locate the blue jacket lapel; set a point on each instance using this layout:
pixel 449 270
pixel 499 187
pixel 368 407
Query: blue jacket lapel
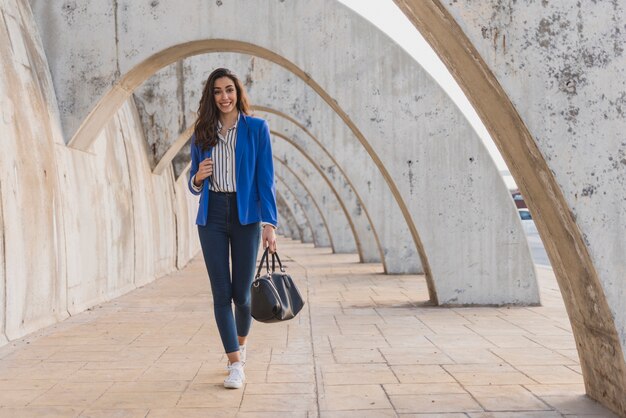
pixel 242 144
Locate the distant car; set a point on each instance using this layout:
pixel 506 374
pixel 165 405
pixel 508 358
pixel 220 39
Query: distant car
pixel 518 199
pixel 524 214
pixel 527 221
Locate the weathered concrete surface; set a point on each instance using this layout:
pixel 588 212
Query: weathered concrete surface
pixel 364 231
pixel 316 197
pixel 306 233
pixel 549 81
pixel 340 228
pixel 33 286
pixel 97 220
pixel 319 226
pixel 293 230
pixel 283 228
pixel 78 227
pixel 161 103
pixel 362 236
pixel 295 109
pixel 187 241
pixel 392 107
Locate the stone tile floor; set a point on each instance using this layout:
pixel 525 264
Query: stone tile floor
pixel 366 345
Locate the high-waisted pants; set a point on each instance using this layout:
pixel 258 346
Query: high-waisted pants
pixel 224 234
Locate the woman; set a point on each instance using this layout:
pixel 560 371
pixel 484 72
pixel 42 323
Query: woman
pixel 233 172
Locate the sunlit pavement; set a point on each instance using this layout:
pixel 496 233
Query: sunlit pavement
pixel 365 345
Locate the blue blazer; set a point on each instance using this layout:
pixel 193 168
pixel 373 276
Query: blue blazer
pixel 254 172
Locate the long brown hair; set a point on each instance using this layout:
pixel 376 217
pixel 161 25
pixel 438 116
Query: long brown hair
pixel 208 113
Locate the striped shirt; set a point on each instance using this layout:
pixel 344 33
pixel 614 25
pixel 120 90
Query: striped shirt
pixel 223 156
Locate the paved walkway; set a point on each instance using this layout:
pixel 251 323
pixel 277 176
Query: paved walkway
pixel 364 346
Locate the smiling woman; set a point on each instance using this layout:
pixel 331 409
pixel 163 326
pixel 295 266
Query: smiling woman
pixel 232 171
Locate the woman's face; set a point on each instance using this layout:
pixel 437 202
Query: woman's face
pixel 225 95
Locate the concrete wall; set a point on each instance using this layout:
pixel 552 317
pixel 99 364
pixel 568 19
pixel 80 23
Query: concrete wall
pixel 549 81
pixel 78 227
pixel 34 276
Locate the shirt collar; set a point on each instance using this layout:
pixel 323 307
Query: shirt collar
pixel 219 124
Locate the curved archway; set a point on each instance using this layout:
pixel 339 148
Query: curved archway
pixel 319 226
pixel 299 213
pixel 332 224
pixel 122 90
pixel 378 115
pixel 458 36
pixel 395 247
pixel 291 227
pixel 316 221
pixel 359 234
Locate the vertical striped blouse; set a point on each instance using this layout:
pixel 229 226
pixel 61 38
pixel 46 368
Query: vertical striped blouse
pixel 223 156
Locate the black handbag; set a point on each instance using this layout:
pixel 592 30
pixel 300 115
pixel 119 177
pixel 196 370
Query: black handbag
pixel 274 296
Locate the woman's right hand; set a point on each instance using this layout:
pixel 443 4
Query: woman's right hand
pixel 205 169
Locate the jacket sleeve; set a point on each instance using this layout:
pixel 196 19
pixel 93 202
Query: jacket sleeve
pixel 265 177
pixel 195 162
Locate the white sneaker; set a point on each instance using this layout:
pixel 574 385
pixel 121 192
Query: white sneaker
pixel 236 376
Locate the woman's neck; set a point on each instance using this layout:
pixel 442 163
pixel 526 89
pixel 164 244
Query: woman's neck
pixel 228 119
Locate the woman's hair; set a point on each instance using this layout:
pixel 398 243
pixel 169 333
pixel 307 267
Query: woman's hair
pixel 208 113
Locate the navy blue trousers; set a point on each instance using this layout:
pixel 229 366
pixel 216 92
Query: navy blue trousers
pixel 224 234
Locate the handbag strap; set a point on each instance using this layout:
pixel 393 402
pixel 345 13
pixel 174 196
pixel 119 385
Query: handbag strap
pixel 280 265
pixel 265 258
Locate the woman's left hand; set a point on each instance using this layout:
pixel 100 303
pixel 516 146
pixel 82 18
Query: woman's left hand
pixel 269 238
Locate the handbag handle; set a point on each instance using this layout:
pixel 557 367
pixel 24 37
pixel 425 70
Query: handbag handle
pixel 280 265
pixel 265 258
pixel 267 263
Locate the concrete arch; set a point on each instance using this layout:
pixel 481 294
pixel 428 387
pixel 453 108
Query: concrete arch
pixel 296 209
pixel 315 218
pixel 127 83
pixel 380 106
pixel 395 245
pixel 344 237
pixel 537 92
pixel 311 196
pixel 368 244
pixel 364 238
pixel 290 226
